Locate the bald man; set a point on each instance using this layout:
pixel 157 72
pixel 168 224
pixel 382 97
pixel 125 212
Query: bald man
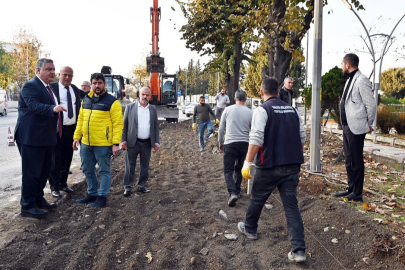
pixel 139 136
pixel 68 95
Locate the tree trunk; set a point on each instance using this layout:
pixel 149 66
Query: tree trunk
pixel 232 82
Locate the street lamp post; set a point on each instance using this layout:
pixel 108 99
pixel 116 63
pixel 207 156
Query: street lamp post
pixel 349 6
pixel 186 87
pixel 28 70
pixel 315 151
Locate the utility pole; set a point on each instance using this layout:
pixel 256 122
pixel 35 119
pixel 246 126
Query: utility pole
pixel 315 155
pixel 28 69
pixel 186 84
pixel 306 77
pixel 218 83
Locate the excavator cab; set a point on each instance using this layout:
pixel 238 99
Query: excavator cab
pixel 169 89
pixel 115 84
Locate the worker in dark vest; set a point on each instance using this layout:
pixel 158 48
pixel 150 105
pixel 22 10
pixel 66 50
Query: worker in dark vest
pixel 276 139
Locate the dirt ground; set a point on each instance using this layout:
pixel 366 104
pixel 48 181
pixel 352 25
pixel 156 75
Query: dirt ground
pixel 178 223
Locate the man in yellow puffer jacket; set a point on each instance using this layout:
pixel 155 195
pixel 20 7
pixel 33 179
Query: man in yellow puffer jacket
pixel 99 126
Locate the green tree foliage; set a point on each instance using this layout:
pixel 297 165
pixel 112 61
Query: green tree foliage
pixel 254 70
pixel 393 82
pixel 198 81
pixel 5 67
pixel 332 88
pixel 223 30
pixel 285 25
pixel 25 44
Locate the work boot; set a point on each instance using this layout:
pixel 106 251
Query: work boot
pixel 101 202
pixel 87 199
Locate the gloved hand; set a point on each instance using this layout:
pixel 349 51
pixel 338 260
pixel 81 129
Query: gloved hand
pixel 217 121
pixel 246 169
pixel 194 126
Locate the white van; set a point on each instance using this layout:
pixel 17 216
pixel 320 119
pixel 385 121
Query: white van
pixel 3 102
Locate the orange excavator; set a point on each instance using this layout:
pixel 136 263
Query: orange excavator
pixel 163 86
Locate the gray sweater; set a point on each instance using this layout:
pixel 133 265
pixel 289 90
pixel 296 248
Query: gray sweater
pixel 236 119
pixel 202 113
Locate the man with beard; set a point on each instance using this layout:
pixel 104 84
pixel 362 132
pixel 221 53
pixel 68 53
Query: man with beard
pixel 139 136
pixel 99 127
pixel 286 92
pixel 222 99
pixel 357 112
pixel 201 119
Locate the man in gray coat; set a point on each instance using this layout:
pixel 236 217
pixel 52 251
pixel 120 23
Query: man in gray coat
pixel 139 136
pixel 357 112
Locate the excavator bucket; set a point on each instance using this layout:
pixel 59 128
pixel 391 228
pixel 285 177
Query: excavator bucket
pixel 155 64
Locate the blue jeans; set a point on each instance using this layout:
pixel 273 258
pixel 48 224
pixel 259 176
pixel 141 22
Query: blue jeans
pixel 91 155
pixel 285 178
pixel 234 155
pixel 201 129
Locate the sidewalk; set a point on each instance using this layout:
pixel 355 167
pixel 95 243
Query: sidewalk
pixel 389 155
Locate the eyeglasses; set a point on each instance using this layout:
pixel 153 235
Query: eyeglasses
pixel 85 85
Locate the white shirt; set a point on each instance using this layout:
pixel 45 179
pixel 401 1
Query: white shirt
pixel 143 122
pixel 64 102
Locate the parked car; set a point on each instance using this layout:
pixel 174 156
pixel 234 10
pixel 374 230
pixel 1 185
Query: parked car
pixel 3 102
pixel 183 108
pixel 190 109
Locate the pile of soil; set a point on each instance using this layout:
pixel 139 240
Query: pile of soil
pixel 177 225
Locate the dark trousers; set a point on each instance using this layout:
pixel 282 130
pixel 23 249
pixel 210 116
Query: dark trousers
pixel 234 156
pixel 143 149
pixel 35 165
pixel 62 155
pixel 285 178
pixel 353 148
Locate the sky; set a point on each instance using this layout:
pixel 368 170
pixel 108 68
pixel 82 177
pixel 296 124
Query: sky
pixel 87 35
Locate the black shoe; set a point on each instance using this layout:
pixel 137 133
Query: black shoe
pixel 101 202
pixel 70 172
pixel 127 192
pixel 34 213
pixel 232 199
pixel 43 204
pixel 67 189
pixel 56 194
pixel 354 198
pixel 143 190
pixel 341 194
pixel 87 199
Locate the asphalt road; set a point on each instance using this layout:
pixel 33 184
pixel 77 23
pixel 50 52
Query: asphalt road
pixel 10 162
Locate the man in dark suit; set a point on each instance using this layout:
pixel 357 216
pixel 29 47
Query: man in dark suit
pixel 140 134
pixel 68 95
pixel 35 133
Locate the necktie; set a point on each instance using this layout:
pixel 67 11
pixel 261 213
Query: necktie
pixel 59 120
pixel 69 101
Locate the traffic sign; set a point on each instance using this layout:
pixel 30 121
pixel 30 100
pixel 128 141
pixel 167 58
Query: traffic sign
pixel 179 93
